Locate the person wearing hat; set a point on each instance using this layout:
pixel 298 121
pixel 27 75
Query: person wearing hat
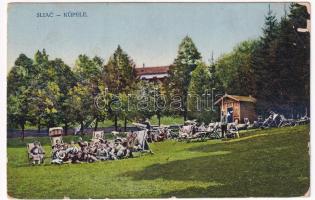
pixel 91 155
pixel 118 148
pixel 84 152
pixel 72 152
pixel 147 123
pixel 127 149
pixel 57 144
pixel 80 142
pixel 58 156
pixel 223 125
pixel 101 153
pixel 108 146
pixel 148 127
pixel 114 148
pixel 101 140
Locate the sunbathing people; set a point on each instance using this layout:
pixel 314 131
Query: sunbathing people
pixel 101 152
pixel 58 156
pixel 95 150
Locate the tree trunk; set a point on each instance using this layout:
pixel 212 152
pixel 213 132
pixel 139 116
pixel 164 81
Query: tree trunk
pixel 125 125
pixel 159 118
pixel 185 114
pixel 23 131
pixel 66 128
pixel 184 104
pixel 38 126
pixel 82 127
pixel 96 124
pixel 115 122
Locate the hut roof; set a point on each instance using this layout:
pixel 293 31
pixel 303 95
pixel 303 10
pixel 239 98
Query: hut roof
pixel 237 98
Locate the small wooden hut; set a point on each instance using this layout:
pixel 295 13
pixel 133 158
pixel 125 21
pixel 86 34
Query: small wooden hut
pixel 236 108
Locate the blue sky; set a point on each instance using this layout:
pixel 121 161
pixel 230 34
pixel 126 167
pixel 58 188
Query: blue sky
pixel 149 32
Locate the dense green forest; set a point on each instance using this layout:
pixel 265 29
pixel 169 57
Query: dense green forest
pixel 274 68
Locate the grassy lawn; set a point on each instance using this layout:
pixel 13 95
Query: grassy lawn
pixel 167 120
pixel 263 163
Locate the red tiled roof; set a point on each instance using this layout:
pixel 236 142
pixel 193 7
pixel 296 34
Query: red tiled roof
pixel 152 70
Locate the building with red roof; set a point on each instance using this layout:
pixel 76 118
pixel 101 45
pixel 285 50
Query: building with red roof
pixel 159 73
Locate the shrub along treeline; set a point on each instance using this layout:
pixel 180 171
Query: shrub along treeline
pixel 274 68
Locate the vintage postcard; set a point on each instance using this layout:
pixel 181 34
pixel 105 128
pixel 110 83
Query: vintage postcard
pixel 158 100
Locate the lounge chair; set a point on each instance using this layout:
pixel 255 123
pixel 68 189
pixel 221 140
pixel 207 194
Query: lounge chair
pixel 97 135
pixel 29 147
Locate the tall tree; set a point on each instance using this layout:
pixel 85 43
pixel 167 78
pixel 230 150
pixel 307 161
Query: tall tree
pixel 292 57
pixel 88 72
pixel 80 103
pixel 141 101
pixel 235 69
pixel 265 68
pixel 65 79
pixel 119 73
pixel 180 72
pixel 18 81
pixel 119 77
pixel 45 104
pixel 298 17
pixel 41 74
pixel 281 64
pixel 199 99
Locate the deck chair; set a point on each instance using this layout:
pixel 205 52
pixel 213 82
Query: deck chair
pixel 139 139
pixel 115 133
pixel 232 131
pixel 55 134
pixel 140 126
pixel 163 133
pixel 303 120
pixel 213 131
pixel 142 137
pixel 29 147
pixel 203 133
pixel 97 135
pixel 56 139
pixel 55 131
pixel 191 122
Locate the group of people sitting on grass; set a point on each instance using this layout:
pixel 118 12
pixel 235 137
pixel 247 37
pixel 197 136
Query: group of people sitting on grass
pixel 95 150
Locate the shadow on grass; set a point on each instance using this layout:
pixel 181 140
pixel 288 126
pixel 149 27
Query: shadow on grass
pixel 266 166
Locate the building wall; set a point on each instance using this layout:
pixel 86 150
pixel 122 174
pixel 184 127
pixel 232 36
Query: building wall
pixel 156 80
pixel 241 110
pixel 248 111
pixel 227 103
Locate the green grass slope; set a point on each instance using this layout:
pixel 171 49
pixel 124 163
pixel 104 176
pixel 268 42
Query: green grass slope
pixel 263 163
